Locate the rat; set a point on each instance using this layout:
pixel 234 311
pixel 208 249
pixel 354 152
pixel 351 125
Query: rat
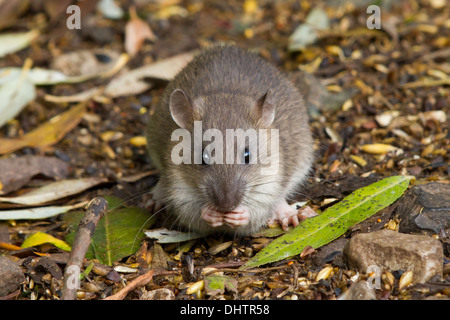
pixel 227 88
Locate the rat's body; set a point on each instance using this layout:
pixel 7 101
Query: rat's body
pixel 228 88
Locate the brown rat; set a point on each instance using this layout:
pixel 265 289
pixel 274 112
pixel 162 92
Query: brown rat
pixel 225 87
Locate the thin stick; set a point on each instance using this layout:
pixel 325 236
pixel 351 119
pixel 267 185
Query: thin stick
pixel 136 283
pixel 96 209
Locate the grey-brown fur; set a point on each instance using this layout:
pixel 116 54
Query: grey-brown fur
pixel 226 84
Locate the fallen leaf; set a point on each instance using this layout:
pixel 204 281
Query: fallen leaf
pixel 16 172
pixel 172 236
pixel 427 82
pixel 39 238
pixel 215 285
pixel 334 221
pixel 136 32
pixel 110 9
pixel 37 213
pixel 47 134
pixel 306 33
pixel 78 97
pixel 118 234
pixel 54 191
pixel 15 93
pixel 132 82
pixel 13 42
pixel 82 65
pixel 11 10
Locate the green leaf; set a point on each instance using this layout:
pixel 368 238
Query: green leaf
pixel 39 238
pixel 334 221
pixel 216 284
pixel 118 234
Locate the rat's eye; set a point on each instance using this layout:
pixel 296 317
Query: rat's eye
pixel 246 156
pixel 206 159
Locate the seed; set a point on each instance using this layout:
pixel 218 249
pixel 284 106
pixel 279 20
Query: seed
pixel 391 225
pixel 81 295
pixel 31 284
pixel 388 278
pixel 378 148
pixel 303 283
pixel 405 279
pixel 355 278
pixel 324 273
pixel 138 141
pixel 195 287
pixel 220 247
pixel 360 161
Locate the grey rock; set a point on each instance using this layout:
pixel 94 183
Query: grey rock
pixel 426 209
pixel 389 250
pixel 11 276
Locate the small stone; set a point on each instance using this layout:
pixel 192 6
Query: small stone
pixel 359 291
pixel 390 250
pixel 11 276
pixel 158 294
pixel 426 209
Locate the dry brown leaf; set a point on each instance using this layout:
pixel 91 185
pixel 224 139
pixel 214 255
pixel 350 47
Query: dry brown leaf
pixel 16 172
pixel 10 10
pixel 136 32
pixel 47 134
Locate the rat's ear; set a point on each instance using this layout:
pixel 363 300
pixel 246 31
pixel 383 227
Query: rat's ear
pixel 181 108
pixel 266 109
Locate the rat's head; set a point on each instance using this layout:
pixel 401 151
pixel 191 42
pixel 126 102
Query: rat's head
pixel 225 152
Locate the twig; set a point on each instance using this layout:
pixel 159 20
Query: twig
pixel 136 283
pixel 96 209
pixel 257 270
pixel 11 296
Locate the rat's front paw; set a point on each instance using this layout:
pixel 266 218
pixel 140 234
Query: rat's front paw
pixel 212 217
pixel 153 205
pixel 238 217
pixel 286 215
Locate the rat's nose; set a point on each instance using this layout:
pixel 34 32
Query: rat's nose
pixel 226 196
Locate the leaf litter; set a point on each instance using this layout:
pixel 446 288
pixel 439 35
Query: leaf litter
pixel 357 74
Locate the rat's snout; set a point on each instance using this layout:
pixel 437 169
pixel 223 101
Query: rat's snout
pixel 225 196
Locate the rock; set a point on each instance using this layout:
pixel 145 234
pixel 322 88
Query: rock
pixel 426 209
pixel 359 291
pixel 390 250
pixel 158 294
pixel 11 276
